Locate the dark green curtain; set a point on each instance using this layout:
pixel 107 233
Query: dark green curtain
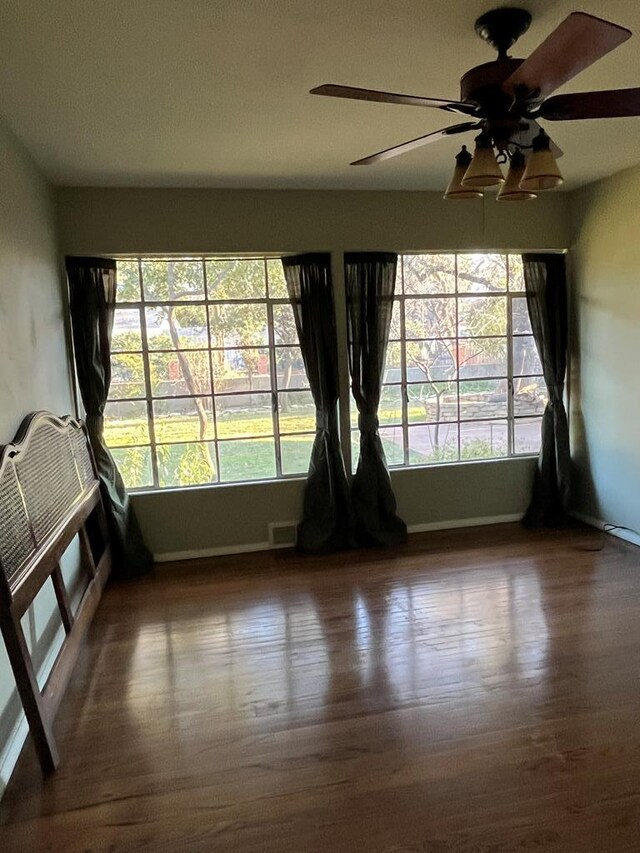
pixel 92 295
pixel 546 290
pixel 326 517
pixel 370 280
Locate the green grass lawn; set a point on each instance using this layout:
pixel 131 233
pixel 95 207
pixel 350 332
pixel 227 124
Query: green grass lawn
pixel 184 460
pixel 246 450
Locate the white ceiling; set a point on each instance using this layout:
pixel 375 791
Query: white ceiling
pixel 215 92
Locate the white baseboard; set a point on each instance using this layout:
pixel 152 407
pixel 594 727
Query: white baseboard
pixel 628 535
pixel 220 551
pixel 479 521
pixel 13 747
pixel 225 550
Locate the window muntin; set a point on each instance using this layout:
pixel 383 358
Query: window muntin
pixel 208 383
pixel 462 378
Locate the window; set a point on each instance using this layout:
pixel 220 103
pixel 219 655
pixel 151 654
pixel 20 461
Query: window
pixel 208 383
pixel 462 379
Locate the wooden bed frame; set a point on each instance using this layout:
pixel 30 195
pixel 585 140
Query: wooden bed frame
pixel 49 493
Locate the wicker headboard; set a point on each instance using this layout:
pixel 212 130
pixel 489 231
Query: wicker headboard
pixel 44 474
pixel 49 494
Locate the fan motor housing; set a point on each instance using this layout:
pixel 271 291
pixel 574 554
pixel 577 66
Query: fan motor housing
pixel 483 85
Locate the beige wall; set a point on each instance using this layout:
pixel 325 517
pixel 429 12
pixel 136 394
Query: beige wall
pixel 33 360
pixel 117 221
pixel 605 399
pixel 112 221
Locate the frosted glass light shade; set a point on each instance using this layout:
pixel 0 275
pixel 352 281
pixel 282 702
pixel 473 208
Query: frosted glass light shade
pixel 541 173
pixel 484 170
pixel 456 189
pixel 511 189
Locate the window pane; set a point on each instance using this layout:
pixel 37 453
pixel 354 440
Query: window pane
pixel 179 373
pixel 390 409
pixel 126 330
pixel 520 322
pixel 290 370
pixel 239 325
pixel 177 327
pixel 186 464
pixel 527 435
pixel 486 398
pixel 487 440
pixel 127 281
pixel 247 460
pixel 241 370
pixel 172 280
pixel 134 464
pixel 433 443
pixel 297 411
pixel 284 326
pixel 529 395
pixel 482 358
pixel 236 279
pixel 430 317
pixel 394 329
pixel 244 414
pixel 295 452
pixel 127 376
pixel 516 275
pixel 431 360
pixel 480 273
pixel 432 401
pixel 479 316
pixel 392 444
pixel 393 363
pixel 355 449
pixel 277 282
pixel 184 419
pixel 525 356
pixel 125 423
pixel 429 273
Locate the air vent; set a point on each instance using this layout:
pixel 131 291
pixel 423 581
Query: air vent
pixel 282 534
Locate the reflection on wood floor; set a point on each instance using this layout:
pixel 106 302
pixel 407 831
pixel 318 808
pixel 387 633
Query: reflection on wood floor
pixel 475 691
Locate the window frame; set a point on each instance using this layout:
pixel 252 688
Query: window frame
pixel 271 346
pixel 510 418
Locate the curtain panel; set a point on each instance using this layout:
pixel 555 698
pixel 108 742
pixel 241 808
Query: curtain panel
pixel 370 286
pixel 92 297
pixel 546 291
pixel 326 516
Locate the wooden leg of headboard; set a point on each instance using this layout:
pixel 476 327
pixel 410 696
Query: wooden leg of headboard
pixel 27 684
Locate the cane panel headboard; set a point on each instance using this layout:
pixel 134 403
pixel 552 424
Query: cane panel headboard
pixel 49 494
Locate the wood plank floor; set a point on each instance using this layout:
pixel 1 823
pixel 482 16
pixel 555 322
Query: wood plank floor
pixel 476 691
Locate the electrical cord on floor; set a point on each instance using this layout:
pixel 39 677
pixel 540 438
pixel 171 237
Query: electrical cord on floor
pixel 608 527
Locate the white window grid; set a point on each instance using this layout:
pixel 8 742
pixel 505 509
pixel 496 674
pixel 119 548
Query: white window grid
pixel 271 347
pixel 511 417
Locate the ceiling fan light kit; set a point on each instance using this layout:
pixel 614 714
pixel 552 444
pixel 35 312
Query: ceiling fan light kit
pixel 512 189
pixel 503 100
pixel 456 189
pixel 483 170
pixel 541 172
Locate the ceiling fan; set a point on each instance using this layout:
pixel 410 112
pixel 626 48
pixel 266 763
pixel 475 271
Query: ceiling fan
pixel 504 98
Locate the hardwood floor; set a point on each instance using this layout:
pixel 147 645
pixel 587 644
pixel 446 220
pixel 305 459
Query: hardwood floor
pixel 476 691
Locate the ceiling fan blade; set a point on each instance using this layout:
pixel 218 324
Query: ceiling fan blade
pixel 405 147
pixel 609 104
pixel 353 92
pixel 577 43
